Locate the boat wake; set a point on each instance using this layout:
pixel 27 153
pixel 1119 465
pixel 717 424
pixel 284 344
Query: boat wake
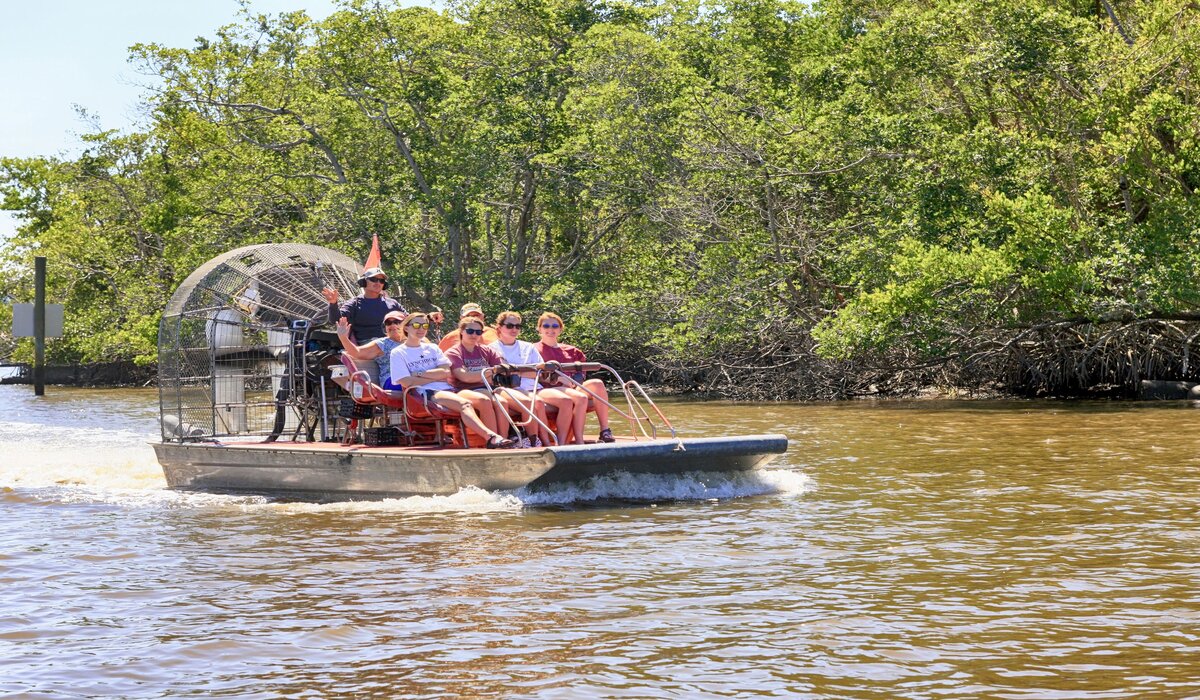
pixel 132 479
pixel 614 489
pixel 691 486
pixel 50 456
pixel 50 464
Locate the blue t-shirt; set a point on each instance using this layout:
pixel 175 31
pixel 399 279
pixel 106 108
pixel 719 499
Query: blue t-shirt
pixel 384 362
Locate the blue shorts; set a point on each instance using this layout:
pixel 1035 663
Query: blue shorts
pixel 425 395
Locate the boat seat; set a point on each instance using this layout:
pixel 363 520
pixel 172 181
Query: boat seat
pixel 423 423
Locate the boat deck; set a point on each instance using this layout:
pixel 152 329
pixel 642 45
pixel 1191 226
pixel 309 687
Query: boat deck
pixel 398 449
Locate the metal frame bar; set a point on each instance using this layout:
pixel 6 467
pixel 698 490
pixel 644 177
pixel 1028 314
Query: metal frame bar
pixel 638 416
pixel 531 410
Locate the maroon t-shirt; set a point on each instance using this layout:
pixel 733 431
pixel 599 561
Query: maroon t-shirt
pixel 560 353
pixel 475 360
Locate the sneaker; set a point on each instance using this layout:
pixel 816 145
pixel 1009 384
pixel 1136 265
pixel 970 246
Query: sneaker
pixel 524 442
pixel 607 436
pixel 537 442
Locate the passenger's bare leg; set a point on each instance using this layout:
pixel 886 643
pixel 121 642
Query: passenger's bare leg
pixel 539 410
pixel 456 404
pixel 543 433
pixel 597 387
pixel 510 410
pixel 580 406
pixel 483 408
pixel 567 414
pixel 519 400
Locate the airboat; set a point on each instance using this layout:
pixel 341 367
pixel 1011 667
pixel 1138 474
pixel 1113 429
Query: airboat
pixel 256 398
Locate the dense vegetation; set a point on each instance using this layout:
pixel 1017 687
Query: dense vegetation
pixel 782 199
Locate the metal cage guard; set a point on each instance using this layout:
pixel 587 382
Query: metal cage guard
pixel 240 354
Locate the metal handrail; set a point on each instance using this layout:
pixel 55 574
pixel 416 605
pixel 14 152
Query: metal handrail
pixel 638 416
pixel 634 420
pixel 487 372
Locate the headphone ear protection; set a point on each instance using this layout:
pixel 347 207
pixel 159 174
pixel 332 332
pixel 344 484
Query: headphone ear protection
pixel 371 273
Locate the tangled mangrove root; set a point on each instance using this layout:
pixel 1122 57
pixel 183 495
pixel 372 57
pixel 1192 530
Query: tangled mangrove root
pixel 1069 359
pixel 1091 359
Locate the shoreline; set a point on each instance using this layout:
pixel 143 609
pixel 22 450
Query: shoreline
pixel 127 375
pixel 105 375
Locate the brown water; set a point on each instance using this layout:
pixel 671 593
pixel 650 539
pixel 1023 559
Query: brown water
pixel 913 550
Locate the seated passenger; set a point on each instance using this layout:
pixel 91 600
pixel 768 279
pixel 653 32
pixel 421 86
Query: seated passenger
pixel 571 410
pixel 550 327
pixel 421 365
pixel 379 349
pixel 468 358
pixel 474 310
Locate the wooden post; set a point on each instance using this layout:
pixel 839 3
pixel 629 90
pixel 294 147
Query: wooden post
pixel 39 326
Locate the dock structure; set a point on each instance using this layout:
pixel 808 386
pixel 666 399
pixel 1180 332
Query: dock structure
pixel 15 372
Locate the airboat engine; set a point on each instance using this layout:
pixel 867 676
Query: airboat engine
pixel 244 340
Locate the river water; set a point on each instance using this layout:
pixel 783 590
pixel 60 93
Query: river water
pixel 899 550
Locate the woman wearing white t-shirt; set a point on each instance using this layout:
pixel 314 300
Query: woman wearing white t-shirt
pixel 423 366
pixel 571 413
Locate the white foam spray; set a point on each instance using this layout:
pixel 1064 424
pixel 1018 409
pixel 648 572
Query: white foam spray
pixel 95 465
pixel 38 456
pixel 691 486
pixel 467 500
pixel 621 486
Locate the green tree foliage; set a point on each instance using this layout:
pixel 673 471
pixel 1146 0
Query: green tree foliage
pixel 1048 170
pixel 107 221
pixel 770 197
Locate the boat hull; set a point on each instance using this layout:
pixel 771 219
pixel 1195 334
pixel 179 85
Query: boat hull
pixel 327 471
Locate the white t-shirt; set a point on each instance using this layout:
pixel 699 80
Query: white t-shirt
pixel 407 361
pixel 519 353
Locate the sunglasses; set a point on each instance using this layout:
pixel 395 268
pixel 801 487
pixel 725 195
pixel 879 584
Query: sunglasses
pixel 377 280
pixel 551 325
pixel 472 331
pixel 392 322
pixel 419 325
pixel 512 325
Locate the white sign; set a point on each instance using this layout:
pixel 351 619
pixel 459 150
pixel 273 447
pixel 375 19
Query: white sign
pixel 23 320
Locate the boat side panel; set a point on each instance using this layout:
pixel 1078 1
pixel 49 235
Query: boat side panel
pixel 576 463
pixel 346 472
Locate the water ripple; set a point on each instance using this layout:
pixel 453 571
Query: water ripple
pixel 1001 550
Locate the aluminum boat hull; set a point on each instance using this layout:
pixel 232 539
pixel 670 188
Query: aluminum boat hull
pixel 331 471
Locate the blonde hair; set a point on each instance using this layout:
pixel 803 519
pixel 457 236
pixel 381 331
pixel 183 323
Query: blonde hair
pixel 551 316
pixel 408 320
pixel 503 317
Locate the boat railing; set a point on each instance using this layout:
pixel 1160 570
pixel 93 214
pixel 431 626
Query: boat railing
pixel 637 415
pixel 495 390
pixel 638 403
